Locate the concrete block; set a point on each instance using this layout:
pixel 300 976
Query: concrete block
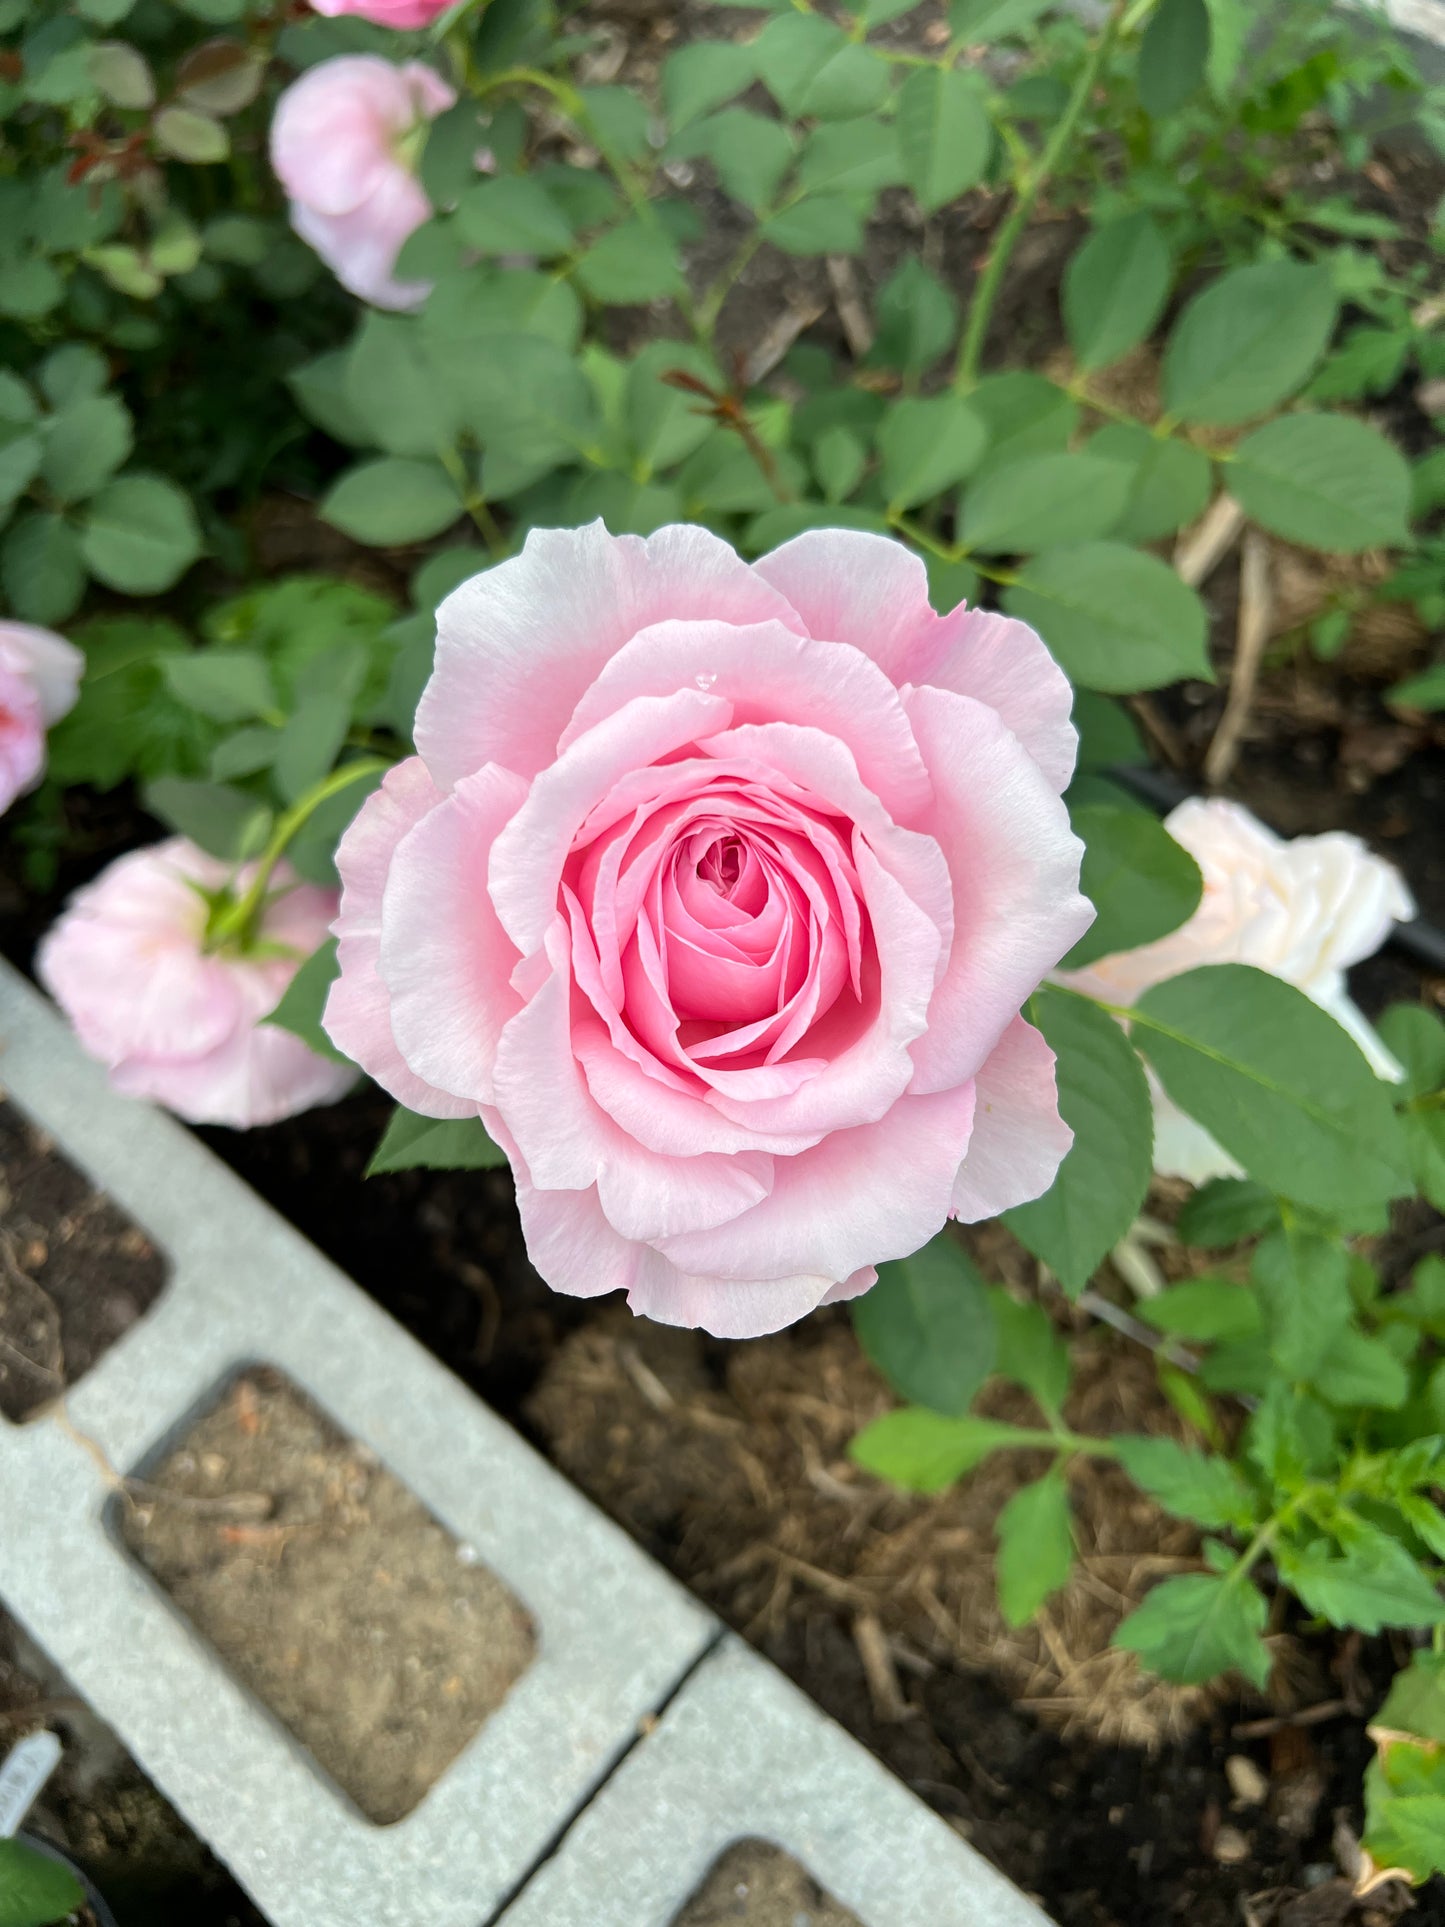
pixel 742 1754
pixel 615 1634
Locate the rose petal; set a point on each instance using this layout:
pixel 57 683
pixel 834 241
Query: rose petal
pixel 1015 864
pixel 444 956
pixel 1019 1140
pixel 357 1017
pixel 519 645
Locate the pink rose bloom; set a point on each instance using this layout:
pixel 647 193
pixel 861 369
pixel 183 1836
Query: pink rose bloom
pixel 400 14
pixel 715 891
pixel 39 676
pixel 1303 909
pixel 173 1021
pixel 344 144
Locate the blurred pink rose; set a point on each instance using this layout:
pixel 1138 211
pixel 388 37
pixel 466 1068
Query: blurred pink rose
pixel 1303 909
pixel 39 676
pixel 126 963
pixel 401 14
pixel 344 144
pixel 715 891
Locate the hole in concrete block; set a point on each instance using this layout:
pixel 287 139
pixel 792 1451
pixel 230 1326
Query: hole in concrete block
pixel 75 1272
pixel 756 1884
pixel 329 1589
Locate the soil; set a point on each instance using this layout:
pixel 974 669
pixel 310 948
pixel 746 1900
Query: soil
pixel 331 1591
pixel 75 1272
pixel 757 1885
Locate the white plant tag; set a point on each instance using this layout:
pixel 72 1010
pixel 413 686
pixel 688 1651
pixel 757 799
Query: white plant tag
pixel 23 1774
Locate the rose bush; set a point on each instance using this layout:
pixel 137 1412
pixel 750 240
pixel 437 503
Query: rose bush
pixel 39 678
pixel 176 1013
pixel 344 143
pixel 1302 908
pixel 715 890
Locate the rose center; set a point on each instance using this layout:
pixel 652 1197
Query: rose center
pixel 722 864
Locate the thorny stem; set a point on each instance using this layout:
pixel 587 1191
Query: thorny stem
pixel 238 922
pixel 1029 187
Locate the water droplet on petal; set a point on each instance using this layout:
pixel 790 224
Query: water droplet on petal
pixel 705 678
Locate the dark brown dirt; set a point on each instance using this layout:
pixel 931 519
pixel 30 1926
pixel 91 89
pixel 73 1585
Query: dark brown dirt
pixel 331 1591
pixel 75 1272
pixel 757 1885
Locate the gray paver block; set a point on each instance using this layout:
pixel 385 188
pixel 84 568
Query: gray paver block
pixel 615 1634
pixel 739 1754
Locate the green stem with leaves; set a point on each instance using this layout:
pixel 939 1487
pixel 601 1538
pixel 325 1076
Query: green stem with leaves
pixel 237 924
pixel 1028 189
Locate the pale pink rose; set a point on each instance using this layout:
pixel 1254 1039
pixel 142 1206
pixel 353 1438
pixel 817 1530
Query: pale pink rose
pixel 177 1023
pixel 400 14
pixel 715 891
pixel 1303 909
pixel 39 676
pixel 344 144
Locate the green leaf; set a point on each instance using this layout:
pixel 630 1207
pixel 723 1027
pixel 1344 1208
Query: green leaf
pixel 698 78
pixel 927 446
pixel 1044 502
pixel 1203 1308
pixel 1277 1083
pixel 751 153
pixel 1117 620
pixel 853 157
pixel 823 224
pixel 311 741
pixel 392 501
pixel 229 685
pixel 1196 1626
pixel 29 288
pixel 1142 883
pixel 1173 55
pixel 815 72
pixel 1192 1485
pixel 35 1891
pixel 928 1327
pixel 1030 1352
pixel 1360 1370
pixel 944 134
pixel 1369 1585
pixel 17 404
pixel 617 117
pixel 394 389
pixel 1026 415
pixel 512 214
pixel 1170 485
pixel 73 373
pixel 438 1144
pixel 1229 25
pixel 917 319
pixel 190 136
pixel 20 458
pixel 664 424
pixel 304 1000
pixel 1104 1099
pixel 245 752
pixel 1324 481
pixel 1415 1702
pixel 41 569
pixel 122 76
pixel 1115 289
pixel 485 299
pixel 1035 1546
pixel 839 459
pixel 1405 1809
pixel 140 535
pixel 1226 1210
pixel 1425 691
pixel 1248 341
pixel 977 21
pixel 222 820
pixel 633 263
pixel 923 1451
